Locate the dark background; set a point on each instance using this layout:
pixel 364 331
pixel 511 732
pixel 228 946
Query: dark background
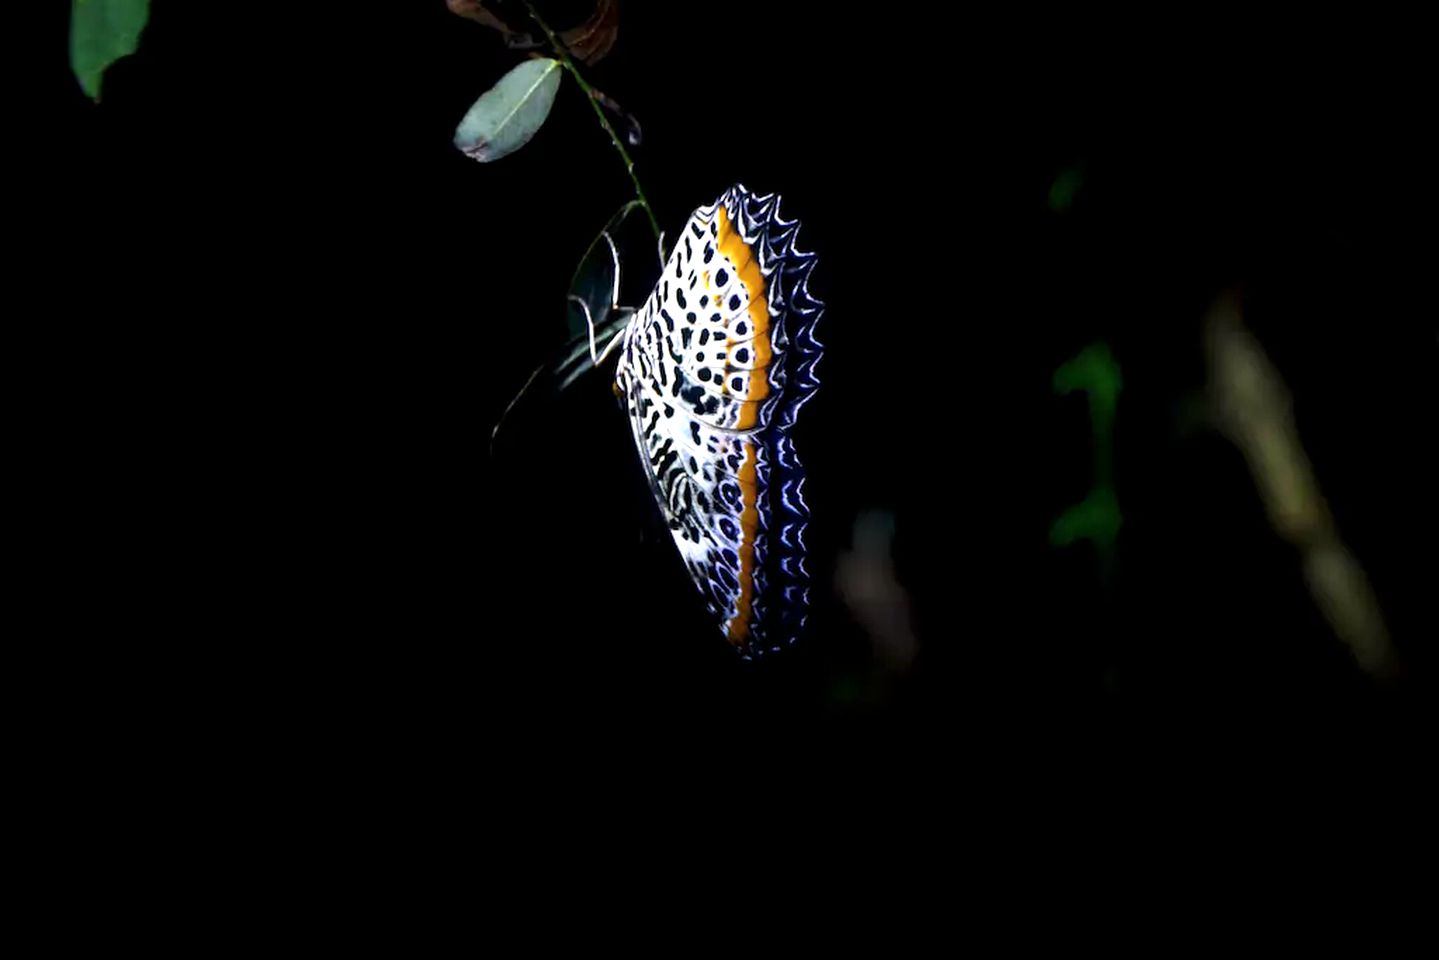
pixel 298 311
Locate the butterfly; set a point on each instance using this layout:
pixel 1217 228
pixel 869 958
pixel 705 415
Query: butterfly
pixel 712 372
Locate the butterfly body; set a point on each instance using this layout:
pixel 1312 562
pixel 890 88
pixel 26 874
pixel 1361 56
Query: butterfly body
pixel 712 371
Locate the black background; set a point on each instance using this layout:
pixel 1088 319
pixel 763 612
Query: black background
pixel 297 310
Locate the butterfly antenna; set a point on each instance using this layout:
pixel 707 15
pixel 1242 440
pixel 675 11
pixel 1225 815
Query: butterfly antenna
pixel 495 433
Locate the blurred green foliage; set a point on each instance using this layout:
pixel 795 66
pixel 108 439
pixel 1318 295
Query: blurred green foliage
pixel 101 32
pixel 1062 192
pixel 1097 518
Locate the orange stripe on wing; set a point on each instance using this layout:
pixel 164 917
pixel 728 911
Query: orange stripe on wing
pixel 733 247
pixel 749 529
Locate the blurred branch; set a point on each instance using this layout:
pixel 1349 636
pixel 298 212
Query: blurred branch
pixel 867 582
pixel 1251 405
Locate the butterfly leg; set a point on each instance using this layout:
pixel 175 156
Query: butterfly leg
pixel 580 369
pixel 614 341
pixel 620 312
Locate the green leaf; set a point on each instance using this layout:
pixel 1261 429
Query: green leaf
pixel 101 32
pixel 508 114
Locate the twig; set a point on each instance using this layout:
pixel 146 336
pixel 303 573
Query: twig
pixel 564 57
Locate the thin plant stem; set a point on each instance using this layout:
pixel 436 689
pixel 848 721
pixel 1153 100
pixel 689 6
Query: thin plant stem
pixel 564 57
